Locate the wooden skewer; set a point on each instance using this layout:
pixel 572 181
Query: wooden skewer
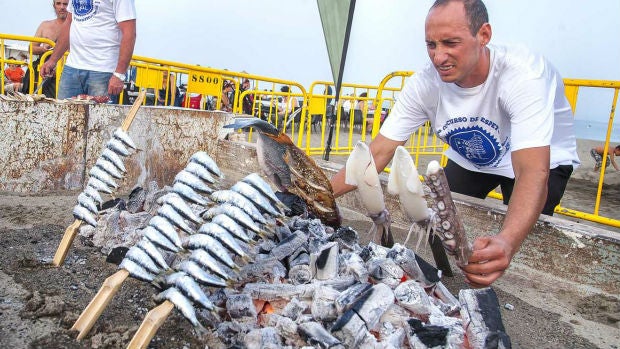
pixel 152 322
pixel 91 313
pixel 65 243
pixel 67 239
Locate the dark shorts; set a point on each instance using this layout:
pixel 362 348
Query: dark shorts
pixel 479 185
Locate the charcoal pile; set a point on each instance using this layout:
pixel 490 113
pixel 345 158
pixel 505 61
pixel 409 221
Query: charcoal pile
pixel 245 275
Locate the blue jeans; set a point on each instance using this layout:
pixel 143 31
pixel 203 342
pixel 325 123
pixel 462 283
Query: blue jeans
pixel 74 82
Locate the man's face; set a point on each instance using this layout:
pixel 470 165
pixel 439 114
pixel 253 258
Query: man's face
pixel 60 6
pixel 457 55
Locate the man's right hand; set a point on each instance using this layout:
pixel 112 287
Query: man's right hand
pixel 47 69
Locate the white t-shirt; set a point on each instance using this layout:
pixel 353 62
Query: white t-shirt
pixel 520 105
pixel 95 34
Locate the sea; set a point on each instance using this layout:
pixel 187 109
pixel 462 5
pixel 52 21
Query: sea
pixel 596 130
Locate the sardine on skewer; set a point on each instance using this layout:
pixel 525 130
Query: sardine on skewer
pixel 124 137
pixel 207 162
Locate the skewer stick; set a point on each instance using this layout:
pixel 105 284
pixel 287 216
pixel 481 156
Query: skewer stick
pixel 65 243
pixel 67 239
pixel 152 322
pixel 91 313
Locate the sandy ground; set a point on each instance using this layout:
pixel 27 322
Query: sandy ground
pixel 39 303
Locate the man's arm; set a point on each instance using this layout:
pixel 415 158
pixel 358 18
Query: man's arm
pixel 128 41
pixel 62 45
pixel 382 149
pixel 492 254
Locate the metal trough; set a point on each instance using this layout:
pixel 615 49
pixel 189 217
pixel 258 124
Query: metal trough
pixel 48 147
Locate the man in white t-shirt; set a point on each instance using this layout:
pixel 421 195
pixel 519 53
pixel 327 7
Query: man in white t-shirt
pixel 504 114
pixel 100 36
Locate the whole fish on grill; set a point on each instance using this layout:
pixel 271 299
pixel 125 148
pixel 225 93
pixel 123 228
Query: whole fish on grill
pixel 291 170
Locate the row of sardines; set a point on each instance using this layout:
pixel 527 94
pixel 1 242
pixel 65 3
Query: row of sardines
pixel 108 167
pixel 206 243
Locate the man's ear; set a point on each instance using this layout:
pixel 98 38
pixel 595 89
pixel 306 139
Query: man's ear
pixel 484 34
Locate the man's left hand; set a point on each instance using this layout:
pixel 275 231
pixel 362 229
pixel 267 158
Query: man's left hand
pixel 490 258
pixel 115 86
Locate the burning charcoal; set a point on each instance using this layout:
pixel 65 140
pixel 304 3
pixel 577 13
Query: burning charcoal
pixel 262 268
pixel 240 305
pixel 456 332
pixel 391 336
pixel 385 270
pixel 298 223
pixel 414 266
pixel 482 319
pixel 299 267
pixel 373 250
pixel 350 329
pixel 317 336
pixel 294 308
pixel 324 262
pixel 352 264
pixel 339 283
pixel 287 246
pixel 448 304
pixel 316 229
pixel 395 315
pixel 287 328
pixel 266 246
pixel 346 237
pixel 229 332
pixel 411 296
pixel 373 303
pixel 269 292
pixel 282 232
pixel 117 254
pixel 426 336
pixel 349 296
pixel 323 307
pixel 266 337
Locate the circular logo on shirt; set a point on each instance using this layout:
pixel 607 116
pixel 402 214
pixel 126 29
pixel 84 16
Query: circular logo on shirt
pixel 476 145
pixel 82 7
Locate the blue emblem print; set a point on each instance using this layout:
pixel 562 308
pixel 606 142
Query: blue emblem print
pixel 82 8
pixel 476 145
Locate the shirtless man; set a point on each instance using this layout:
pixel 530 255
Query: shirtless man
pixel 49 30
pixel 597 154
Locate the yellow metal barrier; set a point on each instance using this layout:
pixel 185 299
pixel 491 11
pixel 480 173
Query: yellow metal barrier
pixel 29 40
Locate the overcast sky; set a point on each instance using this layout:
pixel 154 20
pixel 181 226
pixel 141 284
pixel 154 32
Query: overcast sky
pixel 284 38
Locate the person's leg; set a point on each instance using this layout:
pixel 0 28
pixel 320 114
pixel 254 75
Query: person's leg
pixel 70 83
pixel 598 159
pixel 558 178
pixel 470 183
pixel 97 83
